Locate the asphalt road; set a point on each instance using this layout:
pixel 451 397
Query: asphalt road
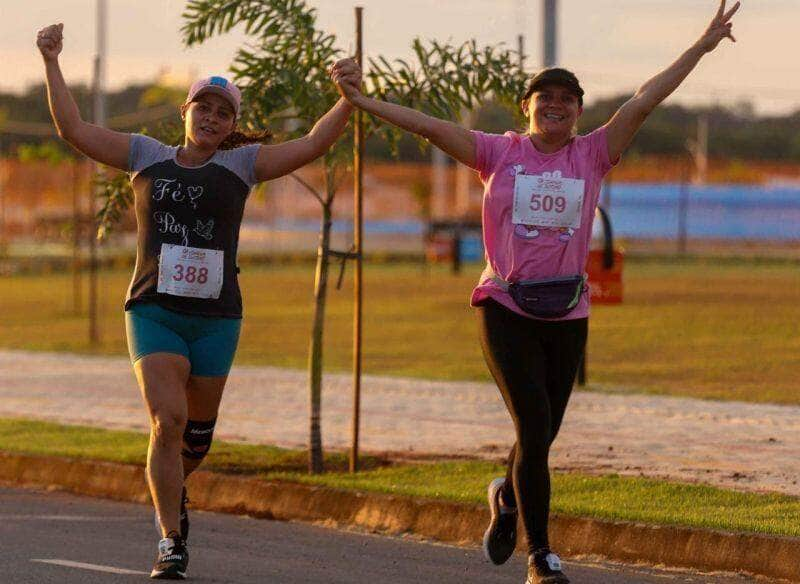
pixel 52 537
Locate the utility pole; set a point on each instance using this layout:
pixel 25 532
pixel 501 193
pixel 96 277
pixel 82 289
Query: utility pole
pixel 464 174
pixel 522 23
pixel 99 111
pixel 701 150
pixel 3 195
pixel 100 65
pixel 439 183
pixel 77 234
pixel 550 31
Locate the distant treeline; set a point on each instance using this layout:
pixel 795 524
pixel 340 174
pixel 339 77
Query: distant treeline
pixel 734 133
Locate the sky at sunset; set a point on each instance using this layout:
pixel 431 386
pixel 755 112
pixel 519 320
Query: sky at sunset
pixel 613 45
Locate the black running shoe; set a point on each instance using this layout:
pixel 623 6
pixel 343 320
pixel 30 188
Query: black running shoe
pixel 544 567
pixel 500 537
pixel 184 517
pixel 172 559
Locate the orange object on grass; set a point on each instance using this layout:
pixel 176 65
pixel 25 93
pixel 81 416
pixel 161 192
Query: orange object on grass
pixel 605 284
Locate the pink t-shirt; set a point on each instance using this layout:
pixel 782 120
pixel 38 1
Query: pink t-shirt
pixel 538 233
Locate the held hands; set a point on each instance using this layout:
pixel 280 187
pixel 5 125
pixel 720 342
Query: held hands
pixel 346 74
pixel 50 41
pixel 720 27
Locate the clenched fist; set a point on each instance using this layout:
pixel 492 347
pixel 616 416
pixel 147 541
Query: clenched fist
pixel 346 74
pixel 50 41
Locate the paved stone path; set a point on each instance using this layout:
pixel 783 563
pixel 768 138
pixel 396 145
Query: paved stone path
pixel 732 444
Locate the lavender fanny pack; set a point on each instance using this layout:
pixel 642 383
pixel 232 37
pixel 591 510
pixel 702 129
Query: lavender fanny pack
pixel 550 298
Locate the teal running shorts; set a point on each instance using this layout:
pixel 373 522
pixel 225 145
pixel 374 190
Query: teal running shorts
pixel 209 343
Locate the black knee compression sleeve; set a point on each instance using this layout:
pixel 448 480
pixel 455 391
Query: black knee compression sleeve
pixel 197 438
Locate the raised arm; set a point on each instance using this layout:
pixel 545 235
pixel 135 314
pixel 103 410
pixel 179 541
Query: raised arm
pixel 458 142
pixel 276 160
pixel 629 118
pixel 100 144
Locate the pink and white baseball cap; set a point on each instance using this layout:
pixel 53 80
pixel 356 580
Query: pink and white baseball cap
pixel 218 85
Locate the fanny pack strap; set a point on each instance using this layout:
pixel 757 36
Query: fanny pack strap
pixel 488 274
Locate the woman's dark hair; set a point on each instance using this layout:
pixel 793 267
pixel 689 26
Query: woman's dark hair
pixel 240 138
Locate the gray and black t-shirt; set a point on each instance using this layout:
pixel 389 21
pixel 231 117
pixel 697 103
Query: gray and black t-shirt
pixel 194 210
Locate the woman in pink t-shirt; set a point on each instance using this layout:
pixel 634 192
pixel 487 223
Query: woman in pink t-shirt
pixel 541 191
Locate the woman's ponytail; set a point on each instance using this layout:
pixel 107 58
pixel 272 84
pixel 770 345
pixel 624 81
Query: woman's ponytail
pixel 240 138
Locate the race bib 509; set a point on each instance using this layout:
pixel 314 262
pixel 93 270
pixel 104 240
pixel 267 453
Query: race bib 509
pixel 548 200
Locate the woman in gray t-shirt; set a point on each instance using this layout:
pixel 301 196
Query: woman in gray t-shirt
pixel 183 308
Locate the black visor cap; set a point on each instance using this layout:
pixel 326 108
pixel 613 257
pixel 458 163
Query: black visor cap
pixel 555 76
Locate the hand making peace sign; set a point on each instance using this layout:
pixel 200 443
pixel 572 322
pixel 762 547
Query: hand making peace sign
pixel 720 27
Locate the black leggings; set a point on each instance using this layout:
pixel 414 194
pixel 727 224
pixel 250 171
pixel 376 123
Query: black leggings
pixel 534 363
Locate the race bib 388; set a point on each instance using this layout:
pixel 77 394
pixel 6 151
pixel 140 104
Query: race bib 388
pixel 190 271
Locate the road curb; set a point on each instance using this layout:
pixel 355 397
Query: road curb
pixel 770 556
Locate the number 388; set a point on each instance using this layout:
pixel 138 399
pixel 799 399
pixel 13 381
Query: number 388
pixel 190 274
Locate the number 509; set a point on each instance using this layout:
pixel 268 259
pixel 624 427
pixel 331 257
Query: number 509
pixel 547 203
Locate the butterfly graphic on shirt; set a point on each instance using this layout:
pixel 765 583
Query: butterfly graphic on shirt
pixel 205 230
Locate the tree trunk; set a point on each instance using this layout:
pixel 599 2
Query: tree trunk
pixel 315 465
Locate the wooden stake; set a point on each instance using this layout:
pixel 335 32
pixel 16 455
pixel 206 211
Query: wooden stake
pixel 358 172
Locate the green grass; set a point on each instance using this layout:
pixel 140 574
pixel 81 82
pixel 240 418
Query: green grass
pixel 84 442
pixel 700 328
pixel 605 497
